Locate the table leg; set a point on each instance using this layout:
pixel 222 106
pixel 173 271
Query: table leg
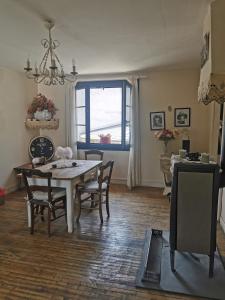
pixel 70 206
pixel 28 214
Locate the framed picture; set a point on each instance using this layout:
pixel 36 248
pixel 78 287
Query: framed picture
pixel 157 120
pixel 182 117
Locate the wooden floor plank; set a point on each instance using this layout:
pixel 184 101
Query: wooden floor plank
pixel 95 262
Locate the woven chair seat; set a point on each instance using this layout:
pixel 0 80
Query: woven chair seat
pixel 43 196
pixel 92 186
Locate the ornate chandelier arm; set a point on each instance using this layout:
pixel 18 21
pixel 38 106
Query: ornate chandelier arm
pixel 61 66
pixel 60 80
pixel 53 74
pixel 44 60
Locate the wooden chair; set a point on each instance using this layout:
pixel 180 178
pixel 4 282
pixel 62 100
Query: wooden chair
pixel 96 189
pixel 93 153
pixel 40 198
pixel 36 162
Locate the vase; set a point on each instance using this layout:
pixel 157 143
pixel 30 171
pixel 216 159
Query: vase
pixel 42 115
pixel 165 147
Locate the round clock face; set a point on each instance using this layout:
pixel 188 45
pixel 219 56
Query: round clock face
pixel 41 146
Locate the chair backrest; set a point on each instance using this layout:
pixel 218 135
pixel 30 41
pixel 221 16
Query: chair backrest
pixel 105 174
pixel 34 173
pixel 193 214
pixel 93 153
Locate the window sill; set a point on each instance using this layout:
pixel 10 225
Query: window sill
pixel 107 147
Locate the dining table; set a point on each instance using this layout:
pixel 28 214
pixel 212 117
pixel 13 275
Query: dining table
pixel 65 174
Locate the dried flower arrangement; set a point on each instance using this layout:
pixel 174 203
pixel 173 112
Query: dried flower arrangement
pixel 166 135
pixel 41 103
pixel 105 139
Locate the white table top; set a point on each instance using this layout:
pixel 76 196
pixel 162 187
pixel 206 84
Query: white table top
pixel 82 167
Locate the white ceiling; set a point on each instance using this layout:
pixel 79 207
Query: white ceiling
pixel 104 36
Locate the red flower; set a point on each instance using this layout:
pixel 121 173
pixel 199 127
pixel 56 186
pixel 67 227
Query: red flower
pixel 166 134
pixel 2 192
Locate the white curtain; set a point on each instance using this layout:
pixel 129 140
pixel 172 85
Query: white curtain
pixel 134 166
pixel 71 139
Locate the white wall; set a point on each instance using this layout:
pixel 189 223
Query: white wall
pixel 57 94
pixel 157 92
pixel 15 94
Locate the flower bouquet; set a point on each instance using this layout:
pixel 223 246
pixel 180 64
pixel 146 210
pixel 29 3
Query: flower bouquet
pixel 166 135
pixel 41 108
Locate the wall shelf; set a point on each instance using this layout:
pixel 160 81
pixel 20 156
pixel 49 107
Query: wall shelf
pixel 35 124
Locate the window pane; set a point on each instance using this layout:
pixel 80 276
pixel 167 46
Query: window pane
pixel 128 96
pixel 128 112
pixel 80 97
pixel 80 116
pixel 105 115
pixel 81 134
pixel 127 141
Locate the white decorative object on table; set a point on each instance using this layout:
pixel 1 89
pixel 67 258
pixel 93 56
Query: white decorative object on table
pixel 182 153
pixel 204 158
pixel 177 158
pixel 64 152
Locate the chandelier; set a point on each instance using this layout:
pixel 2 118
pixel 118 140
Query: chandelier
pixel 50 71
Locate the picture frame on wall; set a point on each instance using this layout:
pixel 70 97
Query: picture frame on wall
pixel 182 117
pixel 157 120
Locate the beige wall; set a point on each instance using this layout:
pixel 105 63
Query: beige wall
pixel 15 94
pixel 206 70
pixel 175 89
pixel 218 41
pixel 57 94
pixel 157 92
pixel 59 136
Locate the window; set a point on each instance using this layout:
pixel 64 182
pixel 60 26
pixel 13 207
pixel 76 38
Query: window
pixel 103 114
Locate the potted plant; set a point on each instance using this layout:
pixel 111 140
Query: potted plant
pixel 41 108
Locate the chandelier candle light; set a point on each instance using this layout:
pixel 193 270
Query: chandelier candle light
pixel 50 70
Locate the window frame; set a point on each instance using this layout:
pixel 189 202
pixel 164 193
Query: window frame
pixel 87 85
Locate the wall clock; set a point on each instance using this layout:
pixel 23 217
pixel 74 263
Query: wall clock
pixel 41 146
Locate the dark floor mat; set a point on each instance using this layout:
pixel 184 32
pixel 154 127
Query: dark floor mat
pixel 191 276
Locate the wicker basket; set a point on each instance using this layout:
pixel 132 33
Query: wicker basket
pixel 35 124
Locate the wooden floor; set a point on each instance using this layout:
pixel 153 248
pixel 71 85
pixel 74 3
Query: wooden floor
pixel 95 262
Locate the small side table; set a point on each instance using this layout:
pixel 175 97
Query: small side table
pixel 165 165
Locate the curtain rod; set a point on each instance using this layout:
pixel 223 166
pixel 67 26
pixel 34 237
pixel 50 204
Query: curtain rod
pixel 111 76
